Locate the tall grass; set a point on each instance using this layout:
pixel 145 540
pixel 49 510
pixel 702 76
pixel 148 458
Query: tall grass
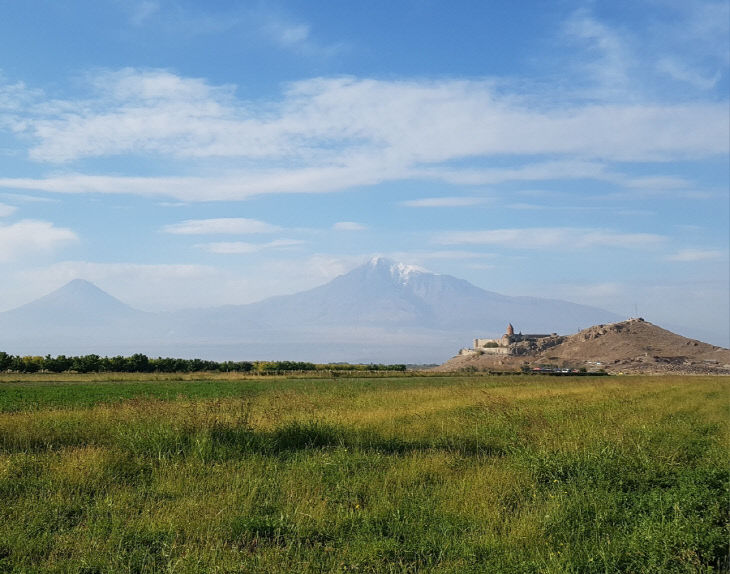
pixel 466 474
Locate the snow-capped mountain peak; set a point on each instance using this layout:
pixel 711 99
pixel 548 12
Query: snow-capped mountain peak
pixel 400 272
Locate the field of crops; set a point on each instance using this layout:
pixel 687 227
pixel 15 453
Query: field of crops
pixel 355 474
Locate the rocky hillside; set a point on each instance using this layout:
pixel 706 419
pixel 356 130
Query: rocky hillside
pixel 633 346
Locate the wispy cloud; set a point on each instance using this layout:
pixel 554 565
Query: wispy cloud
pixel 355 172
pixel 682 72
pixel 293 35
pixel 690 255
pixel 25 198
pixel 695 43
pixel 683 53
pixel 349 226
pixel 220 226
pixel 607 56
pixel 564 238
pixel 141 12
pixel 244 247
pixel 289 35
pixel 31 236
pixel 445 202
pixel 6 210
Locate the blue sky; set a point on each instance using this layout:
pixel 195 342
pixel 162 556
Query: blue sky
pixel 186 154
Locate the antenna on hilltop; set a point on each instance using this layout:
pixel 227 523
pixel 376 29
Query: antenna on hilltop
pixel 636 310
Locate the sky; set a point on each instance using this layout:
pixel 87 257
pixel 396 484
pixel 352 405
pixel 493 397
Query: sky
pixel 189 154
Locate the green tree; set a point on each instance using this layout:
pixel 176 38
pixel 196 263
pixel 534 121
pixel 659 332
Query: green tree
pixel 86 364
pixel 139 363
pixel 5 361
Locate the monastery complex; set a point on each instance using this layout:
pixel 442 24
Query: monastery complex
pixel 503 345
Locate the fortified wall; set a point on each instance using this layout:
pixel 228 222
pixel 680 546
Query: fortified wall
pixel 503 345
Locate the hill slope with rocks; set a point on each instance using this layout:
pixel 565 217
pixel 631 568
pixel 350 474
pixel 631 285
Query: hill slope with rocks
pixel 633 346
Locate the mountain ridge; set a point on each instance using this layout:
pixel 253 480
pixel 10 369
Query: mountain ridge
pixel 382 311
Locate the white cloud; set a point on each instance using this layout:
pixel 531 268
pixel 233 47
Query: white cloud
pixel 25 198
pixel 402 126
pixel 234 186
pixel 524 206
pixel 658 183
pixel 683 73
pixel 360 171
pixel 141 12
pixel 133 111
pixel 608 54
pixel 29 236
pixel 328 135
pixel 14 98
pixel 694 43
pixel 288 35
pixel 550 238
pixel 528 207
pixel 6 210
pixel 220 226
pixel 349 226
pixel 686 45
pixel 534 171
pixel 244 247
pixel 444 202
pixel 689 255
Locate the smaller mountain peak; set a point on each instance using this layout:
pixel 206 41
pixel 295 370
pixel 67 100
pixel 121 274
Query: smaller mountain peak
pixel 83 294
pixel 76 299
pixel 78 282
pixel 80 287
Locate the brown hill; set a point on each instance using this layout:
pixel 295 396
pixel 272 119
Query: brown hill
pixel 633 346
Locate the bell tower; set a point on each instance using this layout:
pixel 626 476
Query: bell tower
pixel 510 330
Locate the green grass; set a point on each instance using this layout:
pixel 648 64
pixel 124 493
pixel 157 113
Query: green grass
pixel 403 474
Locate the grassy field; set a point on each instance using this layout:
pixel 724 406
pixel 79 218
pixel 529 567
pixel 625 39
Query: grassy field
pixel 402 474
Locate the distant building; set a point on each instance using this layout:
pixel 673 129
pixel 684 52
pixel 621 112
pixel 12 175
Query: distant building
pixel 502 345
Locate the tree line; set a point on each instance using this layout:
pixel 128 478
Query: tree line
pixel 139 363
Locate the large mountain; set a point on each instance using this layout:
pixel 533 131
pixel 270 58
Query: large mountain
pixel 383 293
pixel 381 312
